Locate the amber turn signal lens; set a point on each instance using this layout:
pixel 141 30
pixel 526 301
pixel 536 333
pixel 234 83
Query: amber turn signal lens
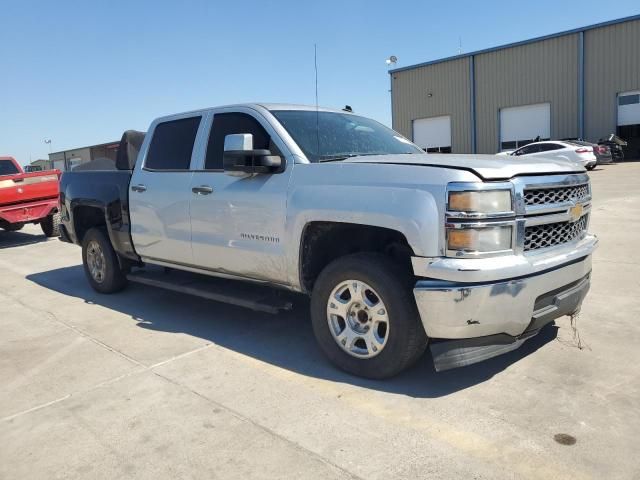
pixel 460 201
pixel 480 240
pixel 461 239
pixel 482 201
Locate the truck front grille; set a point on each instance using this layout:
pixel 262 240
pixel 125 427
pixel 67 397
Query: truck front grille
pixel 551 234
pixel 546 196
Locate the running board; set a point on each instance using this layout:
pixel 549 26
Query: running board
pixel 242 294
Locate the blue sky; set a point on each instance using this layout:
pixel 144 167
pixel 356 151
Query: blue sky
pixel 81 72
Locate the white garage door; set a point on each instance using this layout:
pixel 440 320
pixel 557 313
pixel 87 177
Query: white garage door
pixel 629 108
pixel 520 125
pixel 433 134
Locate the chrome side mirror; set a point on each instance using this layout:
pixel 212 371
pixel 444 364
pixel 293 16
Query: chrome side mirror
pixel 240 158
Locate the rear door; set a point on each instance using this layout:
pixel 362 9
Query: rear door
pixel 160 190
pixel 238 222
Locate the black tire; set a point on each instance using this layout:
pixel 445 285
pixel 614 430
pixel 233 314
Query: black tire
pixel 13 227
pixel 111 279
pixel 591 167
pixel 406 340
pixel 51 225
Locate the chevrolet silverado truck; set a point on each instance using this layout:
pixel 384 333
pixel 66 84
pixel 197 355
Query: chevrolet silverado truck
pixel 399 250
pixel 28 198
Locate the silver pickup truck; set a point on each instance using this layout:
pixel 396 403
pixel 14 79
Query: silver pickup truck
pixel 469 254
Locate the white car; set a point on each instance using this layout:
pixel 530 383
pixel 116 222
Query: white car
pixel 556 149
pixel 505 152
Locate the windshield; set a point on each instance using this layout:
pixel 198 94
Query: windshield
pixel 8 168
pixel 326 136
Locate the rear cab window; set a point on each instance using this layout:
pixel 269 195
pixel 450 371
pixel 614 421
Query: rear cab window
pixel 7 167
pixel 172 145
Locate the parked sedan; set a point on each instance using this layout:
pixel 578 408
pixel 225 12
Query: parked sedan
pixel 602 152
pixel 567 150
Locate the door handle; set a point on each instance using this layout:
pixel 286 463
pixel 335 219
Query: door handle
pixel 202 190
pixel 139 188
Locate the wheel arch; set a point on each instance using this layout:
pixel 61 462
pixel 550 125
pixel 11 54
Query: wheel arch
pixel 324 241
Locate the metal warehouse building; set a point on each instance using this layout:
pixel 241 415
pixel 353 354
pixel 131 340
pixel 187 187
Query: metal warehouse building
pixel 69 159
pixel 582 83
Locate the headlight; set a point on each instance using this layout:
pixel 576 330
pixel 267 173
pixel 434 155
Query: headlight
pixel 481 201
pixel 484 239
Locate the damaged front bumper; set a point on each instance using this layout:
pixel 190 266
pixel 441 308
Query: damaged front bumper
pixel 484 309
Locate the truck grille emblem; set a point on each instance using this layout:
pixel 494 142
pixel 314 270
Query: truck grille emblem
pixel 575 212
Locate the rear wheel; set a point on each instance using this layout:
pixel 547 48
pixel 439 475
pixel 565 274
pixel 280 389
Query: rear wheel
pixel 101 262
pixel 365 317
pixel 51 225
pixel 13 227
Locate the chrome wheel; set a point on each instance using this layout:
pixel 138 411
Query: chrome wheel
pixel 358 319
pixel 96 262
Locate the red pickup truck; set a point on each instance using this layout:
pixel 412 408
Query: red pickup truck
pixel 28 198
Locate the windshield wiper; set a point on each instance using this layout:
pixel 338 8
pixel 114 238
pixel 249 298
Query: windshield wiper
pixel 337 158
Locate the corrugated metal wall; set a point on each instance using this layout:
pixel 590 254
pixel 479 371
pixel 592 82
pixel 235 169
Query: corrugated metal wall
pixel 448 82
pixel 545 71
pixel 612 65
pixel 537 72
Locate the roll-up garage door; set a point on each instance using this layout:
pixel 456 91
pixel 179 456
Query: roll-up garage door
pixel 433 134
pixel 629 122
pixel 521 125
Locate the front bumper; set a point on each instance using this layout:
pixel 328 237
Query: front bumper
pixel 507 298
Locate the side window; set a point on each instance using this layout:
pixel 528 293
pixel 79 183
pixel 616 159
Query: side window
pixel 529 149
pixel 172 144
pixel 227 124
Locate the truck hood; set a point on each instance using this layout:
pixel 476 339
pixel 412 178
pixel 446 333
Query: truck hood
pixel 487 167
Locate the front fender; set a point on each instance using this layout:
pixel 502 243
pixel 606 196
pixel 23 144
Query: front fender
pixel 411 211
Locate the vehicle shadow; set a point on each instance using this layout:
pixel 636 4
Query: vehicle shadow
pixel 285 340
pixel 18 239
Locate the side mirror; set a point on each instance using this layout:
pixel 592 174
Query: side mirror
pixel 241 158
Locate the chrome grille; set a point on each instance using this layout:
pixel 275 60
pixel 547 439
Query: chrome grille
pixel 546 196
pixel 551 234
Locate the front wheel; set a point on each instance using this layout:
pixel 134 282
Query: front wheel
pixel 101 262
pixel 365 318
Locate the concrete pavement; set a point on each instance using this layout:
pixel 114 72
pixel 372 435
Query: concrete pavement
pixel 151 384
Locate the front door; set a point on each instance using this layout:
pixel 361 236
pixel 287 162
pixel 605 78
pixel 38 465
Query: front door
pixel 160 192
pixel 237 223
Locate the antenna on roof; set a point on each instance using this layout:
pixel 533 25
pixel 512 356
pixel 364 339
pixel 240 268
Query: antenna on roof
pixel 459 45
pixel 315 64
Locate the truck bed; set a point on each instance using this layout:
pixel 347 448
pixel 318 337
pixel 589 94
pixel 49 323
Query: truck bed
pixel 26 197
pixel 28 187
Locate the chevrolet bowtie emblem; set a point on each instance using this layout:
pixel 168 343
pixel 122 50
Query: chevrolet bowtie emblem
pixel 575 212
